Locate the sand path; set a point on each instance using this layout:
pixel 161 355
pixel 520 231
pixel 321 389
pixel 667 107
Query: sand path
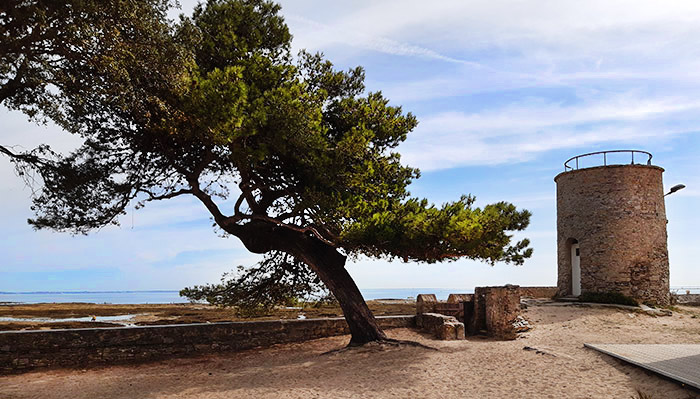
pixel 476 368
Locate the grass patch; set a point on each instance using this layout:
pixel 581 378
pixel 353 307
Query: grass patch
pixel 607 297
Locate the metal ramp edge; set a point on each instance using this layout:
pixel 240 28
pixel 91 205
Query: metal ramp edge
pixel 666 373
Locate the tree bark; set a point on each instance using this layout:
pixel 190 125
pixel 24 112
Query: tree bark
pixel 329 265
pixel 325 261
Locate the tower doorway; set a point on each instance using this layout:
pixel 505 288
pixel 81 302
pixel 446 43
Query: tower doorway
pixel 575 270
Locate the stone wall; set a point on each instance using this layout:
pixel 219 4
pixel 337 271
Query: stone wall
pixel 441 326
pixel 426 303
pixel 25 350
pixel 617 215
pixel 538 292
pixel 496 309
pixel 490 310
pixel 687 299
pixel 459 298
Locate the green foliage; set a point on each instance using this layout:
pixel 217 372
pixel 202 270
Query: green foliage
pixel 452 231
pixel 216 106
pixel 607 297
pixel 102 71
pixel 279 279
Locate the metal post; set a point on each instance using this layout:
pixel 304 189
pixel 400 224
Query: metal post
pixel 605 159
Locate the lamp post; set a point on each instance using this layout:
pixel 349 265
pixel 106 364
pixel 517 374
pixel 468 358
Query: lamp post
pixel 675 188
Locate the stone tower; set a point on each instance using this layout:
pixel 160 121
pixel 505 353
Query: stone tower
pixel 611 227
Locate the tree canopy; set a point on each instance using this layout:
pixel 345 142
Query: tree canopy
pixel 216 106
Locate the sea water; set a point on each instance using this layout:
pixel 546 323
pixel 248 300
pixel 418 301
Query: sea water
pixel 166 296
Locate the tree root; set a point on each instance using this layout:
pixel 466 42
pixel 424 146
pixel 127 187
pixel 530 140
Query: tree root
pixel 379 345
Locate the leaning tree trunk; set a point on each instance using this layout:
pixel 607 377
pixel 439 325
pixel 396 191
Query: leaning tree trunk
pixel 326 262
pixel 329 265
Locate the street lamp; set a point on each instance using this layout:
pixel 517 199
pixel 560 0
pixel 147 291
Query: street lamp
pixel 675 188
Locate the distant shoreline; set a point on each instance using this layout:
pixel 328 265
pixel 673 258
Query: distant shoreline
pixel 455 290
pixel 172 296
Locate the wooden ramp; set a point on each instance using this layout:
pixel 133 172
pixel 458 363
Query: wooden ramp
pixel 679 362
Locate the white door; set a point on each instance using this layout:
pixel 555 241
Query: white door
pixel 575 270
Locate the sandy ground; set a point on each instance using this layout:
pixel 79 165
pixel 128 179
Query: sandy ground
pixel 476 368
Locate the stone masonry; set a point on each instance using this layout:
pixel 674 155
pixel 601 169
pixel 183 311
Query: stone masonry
pixel 617 216
pixel 442 327
pixel 490 310
pixel 426 303
pixel 538 292
pixel 25 350
pixel 495 311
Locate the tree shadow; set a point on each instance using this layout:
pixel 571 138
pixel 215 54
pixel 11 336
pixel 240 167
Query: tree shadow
pixel 292 367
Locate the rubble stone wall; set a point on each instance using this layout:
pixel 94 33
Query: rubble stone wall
pixel 538 292
pixel 501 308
pixel 442 327
pixel 490 310
pixel 688 299
pixel 617 215
pixel 426 303
pixel 25 350
pixel 459 298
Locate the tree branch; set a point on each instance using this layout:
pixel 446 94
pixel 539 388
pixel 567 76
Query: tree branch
pixel 309 229
pixel 153 197
pixel 270 196
pixel 225 222
pixel 237 206
pixel 28 158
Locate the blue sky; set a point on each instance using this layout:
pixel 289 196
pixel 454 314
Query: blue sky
pixel 505 92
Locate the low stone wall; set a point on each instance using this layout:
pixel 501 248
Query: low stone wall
pixel 428 303
pixel 538 292
pixel 443 327
pixel 25 350
pixel 459 298
pixel 425 303
pixel 687 299
pixel 493 311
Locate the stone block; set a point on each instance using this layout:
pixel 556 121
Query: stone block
pixel 441 326
pixel 459 298
pixel 502 307
pixel 450 331
pixel 425 303
pixel 494 311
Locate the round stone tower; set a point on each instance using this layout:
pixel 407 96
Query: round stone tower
pixel 611 227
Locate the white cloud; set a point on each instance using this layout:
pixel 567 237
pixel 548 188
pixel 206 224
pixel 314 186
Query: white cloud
pixel 631 70
pixel 317 36
pixel 521 131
